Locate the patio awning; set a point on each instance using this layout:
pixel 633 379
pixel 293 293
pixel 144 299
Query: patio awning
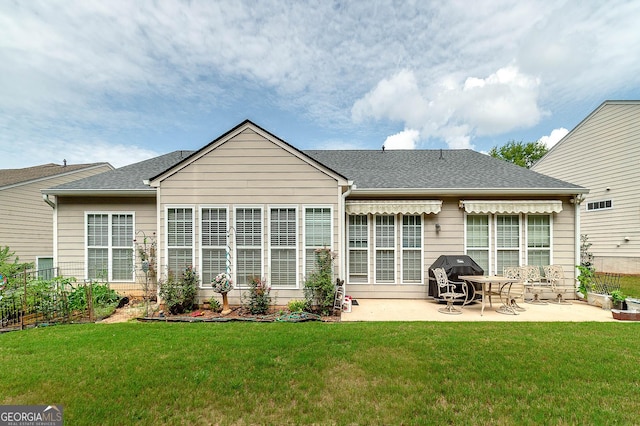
pixel 512 206
pixel 393 206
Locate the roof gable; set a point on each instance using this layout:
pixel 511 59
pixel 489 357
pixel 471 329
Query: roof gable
pixel 245 126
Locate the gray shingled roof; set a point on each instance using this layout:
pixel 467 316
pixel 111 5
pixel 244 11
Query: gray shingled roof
pixel 432 169
pixel 27 174
pixel 129 177
pixel 391 169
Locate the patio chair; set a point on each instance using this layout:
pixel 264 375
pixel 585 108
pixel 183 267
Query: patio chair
pixel 515 290
pixel 555 277
pixel 533 284
pixel 448 291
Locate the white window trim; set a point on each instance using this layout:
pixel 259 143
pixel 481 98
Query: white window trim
pixel 109 247
pixel 400 220
pixel 236 247
pixel 303 239
pixel 394 248
pixel 202 246
pixel 296 208
pixel 166 231
pixel 489 248
pixel 526 237
pixel 368 250
pixel 495 240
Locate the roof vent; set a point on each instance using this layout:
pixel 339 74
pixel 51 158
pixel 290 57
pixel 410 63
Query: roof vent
pixel 441 156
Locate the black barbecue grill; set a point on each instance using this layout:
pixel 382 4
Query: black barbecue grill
pixel 454 266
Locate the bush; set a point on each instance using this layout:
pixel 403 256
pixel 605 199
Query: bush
pixel 297 305
pixel 319 289
pixel 258 299
pixel 214 305
pixel 179 295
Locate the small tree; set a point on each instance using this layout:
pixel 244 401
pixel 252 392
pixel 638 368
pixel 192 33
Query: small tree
pixel 319 289
pixel 523 154
pixel 10 268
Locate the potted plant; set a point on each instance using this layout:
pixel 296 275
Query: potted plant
pixel 617 298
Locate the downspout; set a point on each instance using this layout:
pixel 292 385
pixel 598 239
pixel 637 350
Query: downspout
pixel 46 199
pixel 577 200
pixel 54 206
pixel 342 213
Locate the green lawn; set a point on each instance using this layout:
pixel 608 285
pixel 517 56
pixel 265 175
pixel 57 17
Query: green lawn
pixel 327 373
pixel 630 285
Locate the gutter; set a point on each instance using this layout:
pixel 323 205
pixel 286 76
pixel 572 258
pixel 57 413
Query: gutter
pixel 467 191
pixel 104 192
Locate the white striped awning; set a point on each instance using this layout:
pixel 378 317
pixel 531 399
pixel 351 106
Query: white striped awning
pixel 512 206
pixel 393 206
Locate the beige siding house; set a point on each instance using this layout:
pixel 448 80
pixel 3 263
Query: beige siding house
pixel 251 204
pixel 602 153
pixel 26 224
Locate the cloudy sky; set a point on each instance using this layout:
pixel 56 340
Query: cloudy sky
pixel 122 81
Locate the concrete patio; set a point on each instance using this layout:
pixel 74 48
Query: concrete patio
pixel 427 310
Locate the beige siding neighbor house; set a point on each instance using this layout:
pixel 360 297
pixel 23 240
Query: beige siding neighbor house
pixel 602 153
pixel 26 224
pixel 251 204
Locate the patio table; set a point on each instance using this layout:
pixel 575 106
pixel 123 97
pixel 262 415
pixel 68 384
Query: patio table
pixel 486 282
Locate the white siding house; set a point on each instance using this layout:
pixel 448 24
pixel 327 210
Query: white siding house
pixel 602 153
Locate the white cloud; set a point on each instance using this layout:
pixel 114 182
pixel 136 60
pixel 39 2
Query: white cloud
pixel 83 70
pixel 501 102
pixel 554 137
pixel 407 139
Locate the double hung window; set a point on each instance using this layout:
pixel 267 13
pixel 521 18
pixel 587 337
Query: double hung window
pixel 477 239
pixel 507 241
pixel 248 259
pixel 358 249
pixel 179 239
pixel 214 242
pixel 539 240
pixel 385 249
pixel 411 249
pixel 110 246
pixel 317 235
pixel 283 242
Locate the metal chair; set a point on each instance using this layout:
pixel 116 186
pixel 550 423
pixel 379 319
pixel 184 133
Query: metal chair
pixel 448 291
pixel 555 277
pixel 533 284
pixel 516 290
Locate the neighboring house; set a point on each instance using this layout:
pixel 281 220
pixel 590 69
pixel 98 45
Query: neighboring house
pixel 602 153
pixel 250 199
pixel 25 220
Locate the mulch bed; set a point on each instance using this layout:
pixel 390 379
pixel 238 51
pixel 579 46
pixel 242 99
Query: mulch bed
pixel 240 313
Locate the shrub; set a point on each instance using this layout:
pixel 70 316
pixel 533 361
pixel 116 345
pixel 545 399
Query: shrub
pixel 179 295
pixel 258 298
pixel 297 305
pixel 214 305
pixel 319 289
